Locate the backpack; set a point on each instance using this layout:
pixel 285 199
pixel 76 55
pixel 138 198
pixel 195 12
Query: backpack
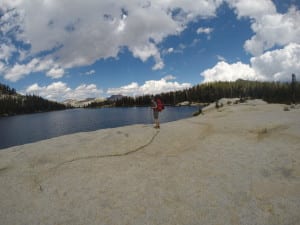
pixel 160 105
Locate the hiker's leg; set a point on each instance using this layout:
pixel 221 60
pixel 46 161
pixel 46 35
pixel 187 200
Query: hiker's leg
pixel 155 114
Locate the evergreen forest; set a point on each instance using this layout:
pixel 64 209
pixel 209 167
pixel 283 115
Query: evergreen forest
pixel 271 92
pixel 12 103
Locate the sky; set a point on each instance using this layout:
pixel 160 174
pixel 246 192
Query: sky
pixel 74 49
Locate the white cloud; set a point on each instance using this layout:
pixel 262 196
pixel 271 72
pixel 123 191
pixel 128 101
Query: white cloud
pixel 90 72
pixel 221 58
pixel 276 65
pixel 6 51
pixel 170 50
pixel 169 77
pixel 55 73
pixel 150 87
pixel 60 28
pixel 270 28
pixel 181 47
pixel 19 71
pixel 85 91
pixel 130 89
pixel 204 30
pixel 10 21
pixel 2 67
pixel 145 51
pixel 22 55
pixel 253 9
pixel 274 29
pixel 195 42
pixel 55 91
pixel 159 64
pixel 59 91
pixel 179 50
pixel 223 71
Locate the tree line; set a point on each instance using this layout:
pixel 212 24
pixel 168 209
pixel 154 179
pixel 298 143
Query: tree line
pixel 6 90
pixel 12 103
pixel 272 92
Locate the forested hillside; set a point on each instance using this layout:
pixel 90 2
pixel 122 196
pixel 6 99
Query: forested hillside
pixel 272 92
pixel 12 103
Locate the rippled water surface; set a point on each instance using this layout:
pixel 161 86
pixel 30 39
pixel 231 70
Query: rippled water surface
pixel 22 129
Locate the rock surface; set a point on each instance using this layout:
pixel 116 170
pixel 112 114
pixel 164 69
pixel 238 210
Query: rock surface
pixel 235 165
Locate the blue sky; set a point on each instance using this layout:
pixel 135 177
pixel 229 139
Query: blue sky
pixel 63 49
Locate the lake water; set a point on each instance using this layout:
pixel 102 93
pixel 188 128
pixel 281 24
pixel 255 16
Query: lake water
pixel 22 129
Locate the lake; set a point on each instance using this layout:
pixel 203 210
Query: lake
pixel 23 129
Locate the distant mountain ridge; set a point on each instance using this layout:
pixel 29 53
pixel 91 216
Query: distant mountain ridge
pixel 86 102
pixel 81 103
pixel 115 98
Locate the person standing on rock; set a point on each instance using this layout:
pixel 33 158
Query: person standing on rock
pixel 157 107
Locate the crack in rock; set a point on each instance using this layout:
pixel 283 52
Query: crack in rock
pixel 109 155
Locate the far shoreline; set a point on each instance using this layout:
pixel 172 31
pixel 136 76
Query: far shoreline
pixel 94 123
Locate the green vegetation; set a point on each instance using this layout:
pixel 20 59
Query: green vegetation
pixel 6 90
pixel 272 92
pixel 12 103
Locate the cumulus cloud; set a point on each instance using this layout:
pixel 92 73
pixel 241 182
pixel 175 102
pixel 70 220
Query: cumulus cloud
pixel 54 91
pixel 59 91
pixel 276 65
pixel 85 91
pixel 55 39
pixel 2 67
pixel 55 73
pixel 229 72
pixel 274 29
pixel 6 51
pixel 169 77
pixel 127 90
pixel 145 51
pixel 270 28
pixel 150 87
pixel 19 71
pixel 253 9
pixel 60 29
